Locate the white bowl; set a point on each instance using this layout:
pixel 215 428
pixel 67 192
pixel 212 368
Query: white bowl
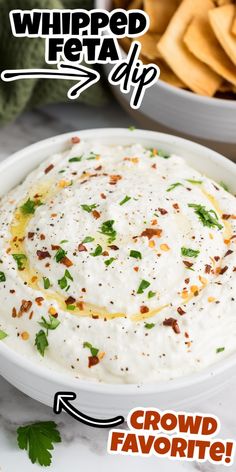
pixel 204 118
pixel 105 400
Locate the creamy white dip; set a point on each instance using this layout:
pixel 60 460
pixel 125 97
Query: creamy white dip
pixel 127 260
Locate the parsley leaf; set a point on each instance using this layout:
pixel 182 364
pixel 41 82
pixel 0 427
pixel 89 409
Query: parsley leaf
pixel 108 230
pixel 109 261
pixel 46 283
pixel 60 254
pixel 88 239
pixel 194 182
pixel 52 324
pixel 19 258
pixel 97 252
pixel 149 325
pixel 125 200
pixel 3 335
pixel 2 277
pixel 75 159
pixel 41 342
pixel 224 186
pixel 189 252
pixel 220 349
pixel 135 254
pixel 89 208
pixel 163 154
pixel 143 285
pixel 151 294
pixel 94 351
pixel 132 128
pixel 207 217
pixel 63 282
pixel 173 186
pixel 29 207
pixel 38 439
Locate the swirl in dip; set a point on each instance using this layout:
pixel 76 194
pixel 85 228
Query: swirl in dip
pixel 118 265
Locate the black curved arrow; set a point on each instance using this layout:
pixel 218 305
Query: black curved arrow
pixel 62 402
pixel 87 76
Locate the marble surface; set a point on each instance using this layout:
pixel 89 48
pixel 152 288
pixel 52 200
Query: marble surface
pixel 82 446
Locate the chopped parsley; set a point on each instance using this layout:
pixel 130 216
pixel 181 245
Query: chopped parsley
pixel 71 307
pixel 189 252
pixel 220 349
pixel 51 324
pixel 108 230
pixel 194 182
pixel 135 254
pixel 64 241
pixel 125 200
pixel 91 156
pixel 46 283
pixel 75 159
pixel 163 154
pixel 224 186
pixel 20 260
pixel 143 285
pixel 151 294
pixel 149 325
pixel 89 208
pixel 88 239
pixel 2 277
pixel 38 439
pixel 173 186
pixel 98 251
pixel 3 335
pixel 29 207
pixel 132 128
pixel 94 351
pixel 41 342
pixel 109 261
pixel 63 282
pixel 60 254
pixel 207 217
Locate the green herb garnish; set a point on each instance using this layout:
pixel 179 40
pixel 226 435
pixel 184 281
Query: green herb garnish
pixel 108 230
pixel 173 186
pixel 163 154
pixel 91 156
pixel 46 283
pixel 51 324
pixel 89 208
pixel 224 186
pixel 220 349
pixel 3 335
pixel 143 285
pixel 88 239
pixel 29 206
pixel 98 251
pixel 132 128
pixel 135 254
pixel 109 261
pixel 60 254
pixel 125 200
pixel 38 439
pixel 207 217
pixel 71 307
pixel 151 294
pixel 149 325
pixel 20 260
pixel 94 351
pixel 2 277
pixel 63 282
pixel 75 159
pixel 194 182
pixel 64 241
pixel 189 252
pixel 41 342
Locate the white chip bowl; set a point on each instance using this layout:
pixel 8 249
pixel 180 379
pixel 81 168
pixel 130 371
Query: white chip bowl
pixel 212 121
pixel 106 400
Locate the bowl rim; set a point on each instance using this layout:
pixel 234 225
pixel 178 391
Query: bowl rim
pixel 187 94
pixel 63 379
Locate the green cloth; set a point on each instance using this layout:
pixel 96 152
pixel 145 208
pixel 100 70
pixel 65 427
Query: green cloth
pixel 29 53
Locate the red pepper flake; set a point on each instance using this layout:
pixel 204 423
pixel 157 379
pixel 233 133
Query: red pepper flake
pixel 80 305
pixel 67 262
pixel 39 301
pixel 55 247
pixel 151 232
pixel 103 196
pixel 186 335
pixel 82 248
pixel 31 235
pixel 31 315
pixel 154 166
pixel 208 268
pixel 49 168
pixel 70 301
pixel 187 281
pixel 92 361
pixel 176 206
pixel 113 247
pixel 228 253
pixel 162 211
pixel 226 217
pixel 95 317
pixel 222 271
pixel 105 253
pixel 181 311
pixel 43 255
pixel 98 168
pixel 75 140
pixel 173 323
pixel 12 291
pixel 114 179
pixel 96 214
pixel 14 312
pixel 144 309
pixel 25 307
pixel 136 269
pixel 188 264
pixel 42 237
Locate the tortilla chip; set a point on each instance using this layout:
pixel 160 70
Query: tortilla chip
pixel 227 87
pixel 125 44
pixel 167 75
pixel 149 46
pixel 120 3
pixel 160 13
pixel 221 20
pixel 233 31
pixel 220 3
pixel 202 42
pixel 135 5
pixel 195 74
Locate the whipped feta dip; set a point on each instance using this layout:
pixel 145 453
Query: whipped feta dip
pixel 118 265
